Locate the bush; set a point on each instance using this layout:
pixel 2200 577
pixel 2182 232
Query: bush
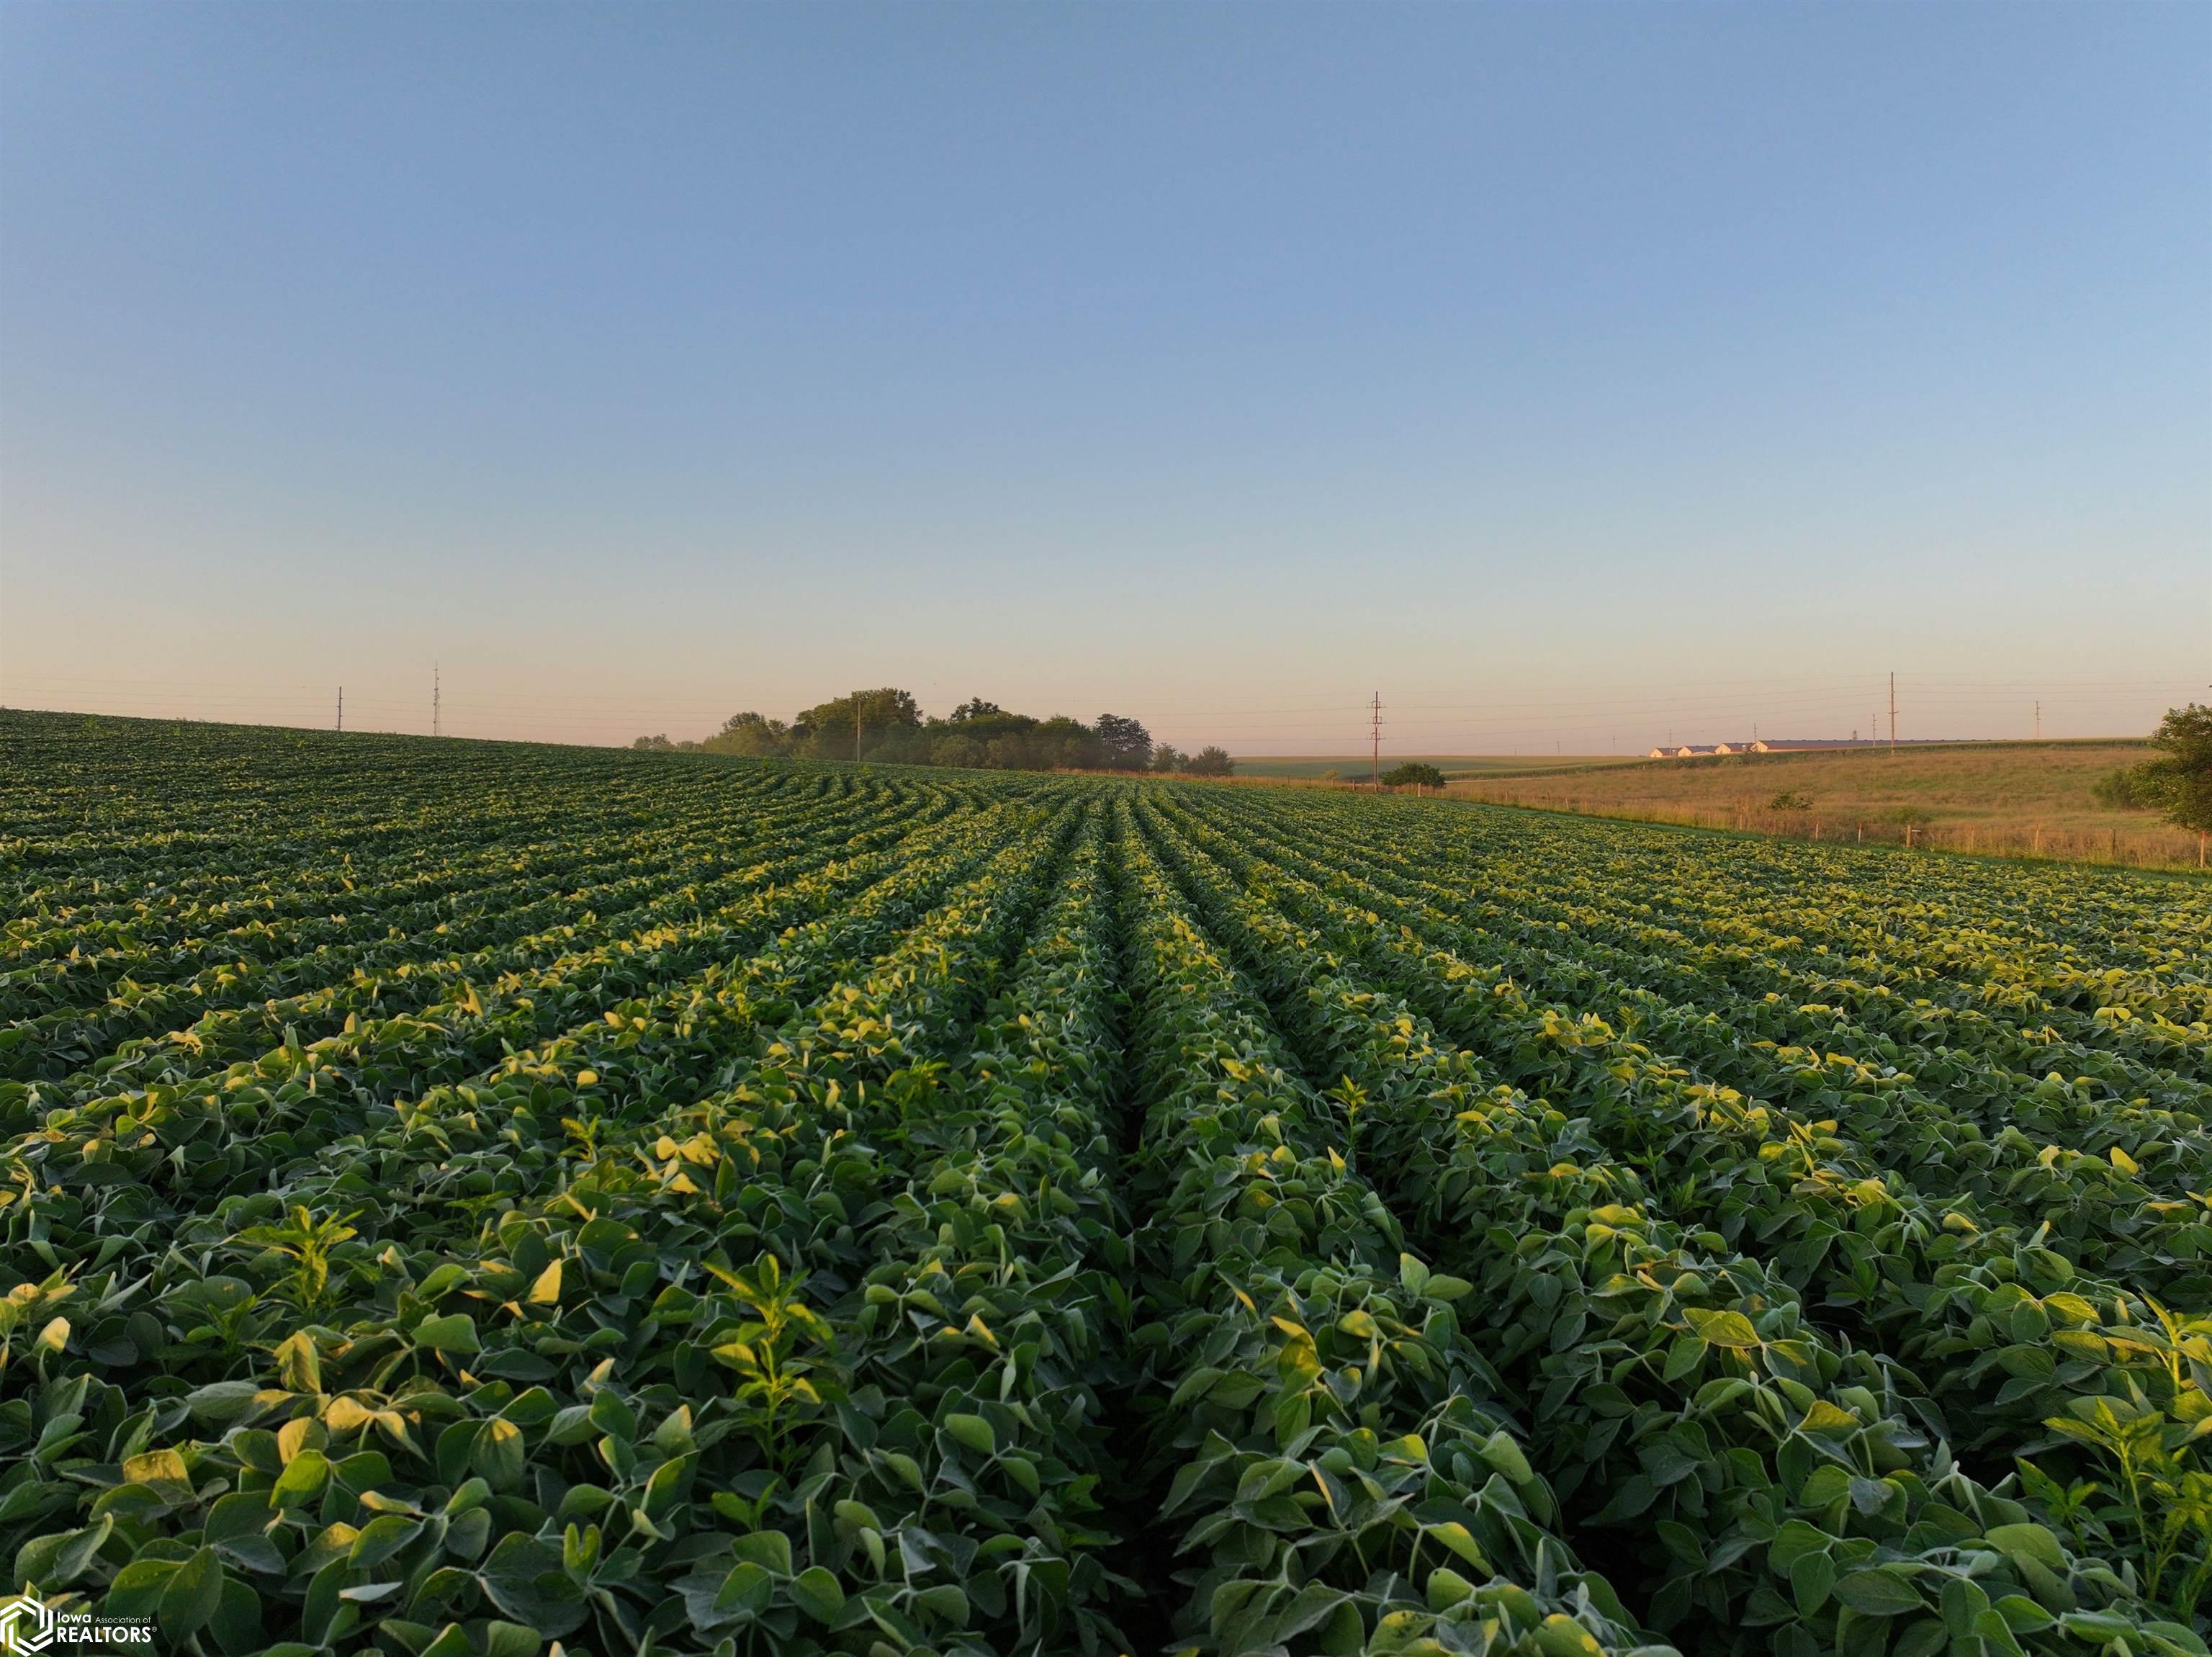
pixel 1413 774
pixel 2126 790
pixel 1788 801
pixel 1211 762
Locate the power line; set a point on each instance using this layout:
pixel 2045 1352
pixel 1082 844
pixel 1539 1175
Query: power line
pixel 1990 692
pixel 1971 710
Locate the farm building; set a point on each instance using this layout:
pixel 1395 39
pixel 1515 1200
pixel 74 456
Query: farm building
pixel 1755 746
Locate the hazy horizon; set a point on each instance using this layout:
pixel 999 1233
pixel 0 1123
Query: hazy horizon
pixel 1580 379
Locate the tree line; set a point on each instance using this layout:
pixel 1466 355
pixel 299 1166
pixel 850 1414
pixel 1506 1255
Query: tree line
pixel 888 727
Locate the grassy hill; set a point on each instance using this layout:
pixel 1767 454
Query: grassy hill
pixel 1354 768
pixel 2013 798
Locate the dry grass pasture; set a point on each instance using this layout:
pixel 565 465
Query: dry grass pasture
pixel 2013 798
pixel 1355 768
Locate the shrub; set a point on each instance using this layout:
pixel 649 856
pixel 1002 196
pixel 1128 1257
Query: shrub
pixel 1413 774
pixel 2126 789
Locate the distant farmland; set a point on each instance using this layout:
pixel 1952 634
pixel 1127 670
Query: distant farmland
pixel 1355 768
pixel 2017 799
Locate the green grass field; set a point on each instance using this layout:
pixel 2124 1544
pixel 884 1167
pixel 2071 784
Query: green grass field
pixel 458 1196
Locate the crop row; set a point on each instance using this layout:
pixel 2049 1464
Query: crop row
pixel 716 1208
pixel 1914 1274
pixel 1678 1381
pixel 425 1316
pixel 233 1005
pixel 2106 1210
pixel 1863 957
pixel 78 960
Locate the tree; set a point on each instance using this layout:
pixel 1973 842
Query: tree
pixel 1123 743
pixel 2179 782
pixel 654 742
pixel 749 735
pixel 1166 756
pixel 1414 774
pixel 956 749
pixel 891 730
pixel 831 730
pixel 1211 762
pixel 1063 744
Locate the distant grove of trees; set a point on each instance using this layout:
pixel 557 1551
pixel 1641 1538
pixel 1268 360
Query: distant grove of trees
pixel 887 726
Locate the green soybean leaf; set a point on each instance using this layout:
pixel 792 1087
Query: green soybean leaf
pixel 815 1592
pixel 192 1595
pixel 973 1431
pixel 1879 1593
pixel 457 1333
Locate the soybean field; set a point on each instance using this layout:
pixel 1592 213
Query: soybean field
pixel 475 1200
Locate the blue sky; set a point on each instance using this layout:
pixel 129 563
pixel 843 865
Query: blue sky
pixel 1573 375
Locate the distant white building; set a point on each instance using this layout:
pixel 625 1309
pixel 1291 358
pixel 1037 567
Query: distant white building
pixel 1755 746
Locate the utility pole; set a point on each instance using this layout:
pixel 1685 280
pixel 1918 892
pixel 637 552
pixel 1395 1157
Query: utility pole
pixel 1893 716
pixel 1378 742
pixel 341 707
pixel 2039 721
pixel 856 728
pixel 437 708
